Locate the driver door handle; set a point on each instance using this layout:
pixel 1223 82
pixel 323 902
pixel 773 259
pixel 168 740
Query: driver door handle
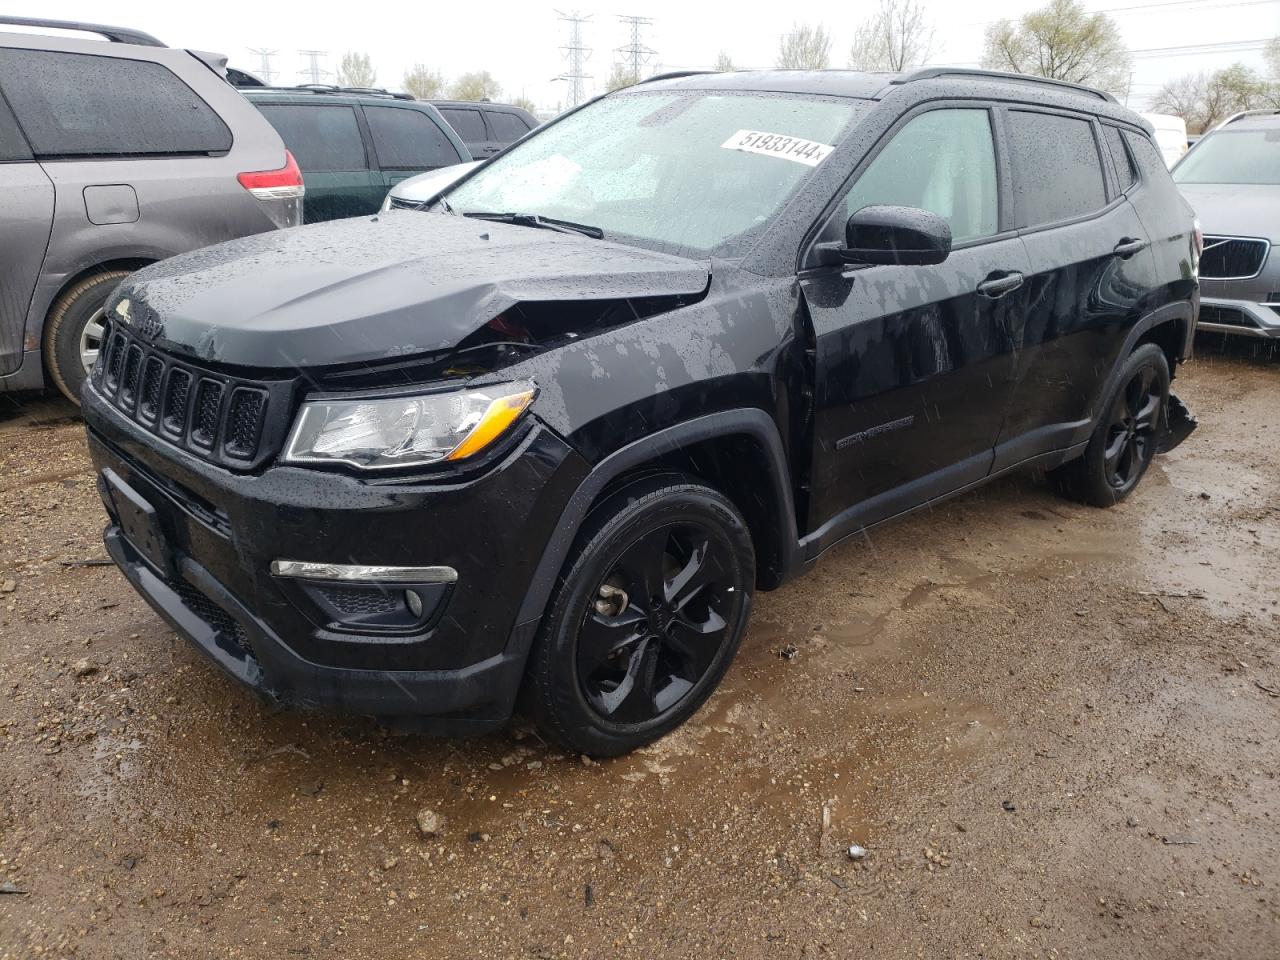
pixel 998 284
pixel 1128 246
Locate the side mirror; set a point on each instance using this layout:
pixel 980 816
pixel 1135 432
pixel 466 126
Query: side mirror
pixel 907 236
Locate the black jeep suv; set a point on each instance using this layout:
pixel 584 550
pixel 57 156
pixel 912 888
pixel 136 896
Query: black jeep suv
pixel 545 439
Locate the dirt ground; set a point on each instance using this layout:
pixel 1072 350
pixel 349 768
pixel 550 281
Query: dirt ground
pixel 1054 728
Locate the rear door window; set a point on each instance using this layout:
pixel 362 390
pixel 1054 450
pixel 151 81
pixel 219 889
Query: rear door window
pixel 1057 172
pixel 83 105
pixel 321 137
pixel 468 124
pixel 1125 172
pixel 507 127
pixel 407 139
pixel 13 145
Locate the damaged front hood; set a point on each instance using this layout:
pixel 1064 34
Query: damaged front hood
pixel 363 290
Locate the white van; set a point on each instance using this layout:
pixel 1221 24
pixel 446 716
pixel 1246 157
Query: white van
pixel 1171 135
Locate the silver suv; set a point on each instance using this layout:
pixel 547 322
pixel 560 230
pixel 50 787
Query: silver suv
pixel 1232 179
pixel 112 156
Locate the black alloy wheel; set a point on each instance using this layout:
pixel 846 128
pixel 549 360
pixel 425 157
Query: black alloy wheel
pixel 1133 428
pixel 1127 435
pixel 645 619
pixel 655 627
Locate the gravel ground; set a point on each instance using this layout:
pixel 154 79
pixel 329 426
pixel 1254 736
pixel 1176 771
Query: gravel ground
pixel 1053 728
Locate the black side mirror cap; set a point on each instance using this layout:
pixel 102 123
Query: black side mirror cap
pixel 885 234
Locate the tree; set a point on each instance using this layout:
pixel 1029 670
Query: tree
pixel 1204 100
pixel 477 85
pixel 805 48
pixel 423 84
pixel 621 76
pixel 356 70
pixel 724 63
pixel 895 37
pixel 1271 54
pixel 524 103
pixel 1063 41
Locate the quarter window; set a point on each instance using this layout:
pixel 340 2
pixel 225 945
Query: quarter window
pixel 84 105
pixel 1125 172
pixel 1150 159
pixel 468 124
pixel 1057 173
pixel 407 139
pixel 322 138
pixel 943 161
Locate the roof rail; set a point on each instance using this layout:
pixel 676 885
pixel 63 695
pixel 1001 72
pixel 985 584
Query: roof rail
pixel 1264 112
pixel 333 88
pixel 932 73
pixel 672 75
pixel 114 34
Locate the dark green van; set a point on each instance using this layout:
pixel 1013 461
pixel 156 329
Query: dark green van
pixel 352 145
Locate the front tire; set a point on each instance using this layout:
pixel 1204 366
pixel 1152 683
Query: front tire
pixel 73 331
pixel 1127 436
pixel 645 620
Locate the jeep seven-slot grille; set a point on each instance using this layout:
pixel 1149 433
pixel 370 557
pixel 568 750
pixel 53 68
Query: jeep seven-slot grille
pixel 1232 258
pixel 220 418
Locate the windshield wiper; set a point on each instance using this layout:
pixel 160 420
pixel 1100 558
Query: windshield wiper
pixel 535 220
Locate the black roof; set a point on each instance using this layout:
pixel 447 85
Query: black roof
pixel 946 81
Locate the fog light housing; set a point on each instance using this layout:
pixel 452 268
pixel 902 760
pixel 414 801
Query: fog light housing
pixel 365 598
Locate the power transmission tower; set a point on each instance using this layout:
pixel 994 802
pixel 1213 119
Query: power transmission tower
pixel 265 70
pixel 577 54
pixel 635 53
pixel 313 71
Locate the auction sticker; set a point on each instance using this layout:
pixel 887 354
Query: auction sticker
pixel 808 152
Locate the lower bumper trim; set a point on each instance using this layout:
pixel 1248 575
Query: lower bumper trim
pixel 471 700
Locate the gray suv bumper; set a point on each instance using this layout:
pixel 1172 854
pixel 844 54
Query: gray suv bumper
pixel 1241 317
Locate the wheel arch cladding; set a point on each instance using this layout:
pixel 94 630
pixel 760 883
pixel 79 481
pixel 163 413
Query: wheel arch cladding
pixel 703 448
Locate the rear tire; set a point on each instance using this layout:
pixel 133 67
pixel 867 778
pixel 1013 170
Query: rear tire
pixel 646 618
pixel 69 332
pixel 1127 435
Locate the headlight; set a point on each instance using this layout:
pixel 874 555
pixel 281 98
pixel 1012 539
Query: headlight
pixel 406 431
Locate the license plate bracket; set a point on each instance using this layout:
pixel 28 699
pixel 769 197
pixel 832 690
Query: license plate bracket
pixel 139 523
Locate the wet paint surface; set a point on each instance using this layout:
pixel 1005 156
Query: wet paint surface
pixel 1090 668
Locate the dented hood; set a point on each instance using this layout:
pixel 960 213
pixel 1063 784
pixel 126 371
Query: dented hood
pixel 362 290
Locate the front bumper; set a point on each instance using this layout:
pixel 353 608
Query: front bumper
pixel 1241 317
pixel 222 530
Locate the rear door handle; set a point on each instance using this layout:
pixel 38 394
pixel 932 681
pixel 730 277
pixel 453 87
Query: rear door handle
pixel 998 284
pixel 1127 247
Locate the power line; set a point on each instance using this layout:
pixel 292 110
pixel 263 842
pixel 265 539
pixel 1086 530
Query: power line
pixel 1226 46
pixel 576 54
pixel 265 70
pixel 635 52
pixel 313 70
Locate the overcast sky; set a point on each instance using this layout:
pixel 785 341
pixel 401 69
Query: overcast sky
pixel 520 42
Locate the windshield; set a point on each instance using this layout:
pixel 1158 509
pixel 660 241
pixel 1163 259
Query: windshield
pixel 692 172
pixel 1233 156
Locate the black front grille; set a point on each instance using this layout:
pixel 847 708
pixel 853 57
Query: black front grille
pixel 1225 316
pixel 1232 258
pixel 226 419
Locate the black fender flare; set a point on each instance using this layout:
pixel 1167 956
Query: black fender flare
pixel 1179 310
pixel 748 421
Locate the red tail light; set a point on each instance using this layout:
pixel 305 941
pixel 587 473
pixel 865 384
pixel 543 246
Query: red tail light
pixel 282 184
